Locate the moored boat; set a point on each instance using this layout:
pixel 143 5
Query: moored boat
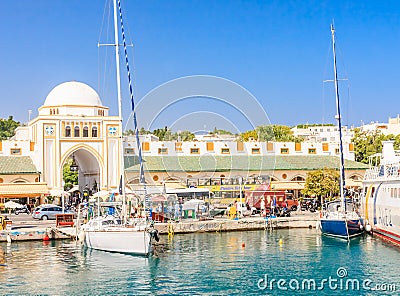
pixel 113 231
pixel 342 224
pixel 381 194
pixel 340 219
pixel 108 233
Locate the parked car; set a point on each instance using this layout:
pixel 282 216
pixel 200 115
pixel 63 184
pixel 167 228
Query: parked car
pixel 45 212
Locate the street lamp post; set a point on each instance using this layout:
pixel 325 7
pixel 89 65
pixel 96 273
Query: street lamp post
pixel 74 167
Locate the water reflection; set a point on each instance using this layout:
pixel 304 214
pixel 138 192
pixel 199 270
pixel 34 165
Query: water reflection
pixel 206 263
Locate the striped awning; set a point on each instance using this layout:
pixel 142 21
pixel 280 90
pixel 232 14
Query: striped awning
pixel 23 189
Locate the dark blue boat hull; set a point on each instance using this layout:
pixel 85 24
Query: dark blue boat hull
pixel 342 228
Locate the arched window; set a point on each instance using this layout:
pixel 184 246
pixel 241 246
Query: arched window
pixel 76 131
pixel 94 132
pixel 51 111
pixel 85 132
pixel 68 131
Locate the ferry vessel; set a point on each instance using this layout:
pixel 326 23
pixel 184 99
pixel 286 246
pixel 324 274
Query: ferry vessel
pixel 381 194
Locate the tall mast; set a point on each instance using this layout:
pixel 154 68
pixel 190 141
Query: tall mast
pixel 121 158
pixel 141 174
pixel 339 119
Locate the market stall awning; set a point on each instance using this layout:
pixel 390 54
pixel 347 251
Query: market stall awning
pixel 12 205
pixel 58 192
pixel 73 189
pixel 289 185
pixel 23 189
pixel 353 183
pixel 158 198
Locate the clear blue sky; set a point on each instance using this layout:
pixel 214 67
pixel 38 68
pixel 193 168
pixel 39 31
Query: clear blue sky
pixel 278 50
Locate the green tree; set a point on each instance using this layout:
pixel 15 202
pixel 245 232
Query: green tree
pixel 369 143
pixel 322 183
pixel 131 132
pixel 160 133
pixel 276 133
pixel 142 131
pixel 246 136
pixel 313 125
pixel 186 136
pixel 169 136
pixel 70 178
pixel 220 132
pixel 7 128
pixel 265 133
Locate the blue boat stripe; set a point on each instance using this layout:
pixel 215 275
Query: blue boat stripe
pixel 375 198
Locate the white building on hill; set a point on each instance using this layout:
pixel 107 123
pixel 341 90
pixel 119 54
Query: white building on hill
pixel 391 127
pixel 323 134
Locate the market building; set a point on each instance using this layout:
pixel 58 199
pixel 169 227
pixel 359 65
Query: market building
pixel 73 124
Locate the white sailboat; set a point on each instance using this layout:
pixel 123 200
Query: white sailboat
pixel 113 232
pixel 340 218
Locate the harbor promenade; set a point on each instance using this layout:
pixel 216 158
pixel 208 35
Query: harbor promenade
pixel 297 220
pixel 25 228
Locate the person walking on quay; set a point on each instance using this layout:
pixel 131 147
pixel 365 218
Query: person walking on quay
pixel 176 210
pixel 263 206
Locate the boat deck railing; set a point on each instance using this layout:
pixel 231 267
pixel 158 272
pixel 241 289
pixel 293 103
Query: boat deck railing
pixel 388 171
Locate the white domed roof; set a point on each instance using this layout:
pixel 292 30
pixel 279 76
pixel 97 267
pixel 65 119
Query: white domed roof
pixel 72 93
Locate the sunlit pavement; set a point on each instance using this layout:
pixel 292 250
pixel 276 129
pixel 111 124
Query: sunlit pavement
pixel 25 220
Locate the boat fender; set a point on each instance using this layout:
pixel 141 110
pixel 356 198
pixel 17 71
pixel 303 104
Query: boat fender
pixel 320 214
pixel 155 235
pixel 368 228
pixel 81 235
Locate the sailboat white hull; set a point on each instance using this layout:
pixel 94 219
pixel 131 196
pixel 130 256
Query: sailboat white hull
pixel 119 239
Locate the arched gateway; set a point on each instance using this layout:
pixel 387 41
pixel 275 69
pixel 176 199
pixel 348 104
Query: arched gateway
pixel 73 123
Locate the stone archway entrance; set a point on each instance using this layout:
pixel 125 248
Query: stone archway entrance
pixel 88 168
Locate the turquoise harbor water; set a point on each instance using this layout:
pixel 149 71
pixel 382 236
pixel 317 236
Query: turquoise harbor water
pixel 207 264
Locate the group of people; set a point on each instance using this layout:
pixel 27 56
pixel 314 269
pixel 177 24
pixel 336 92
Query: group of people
pixel 274 208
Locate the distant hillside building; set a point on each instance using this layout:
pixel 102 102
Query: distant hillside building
pixel 323 134
pixel 391 127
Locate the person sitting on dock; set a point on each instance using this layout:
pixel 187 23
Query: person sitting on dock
pixel 233 211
